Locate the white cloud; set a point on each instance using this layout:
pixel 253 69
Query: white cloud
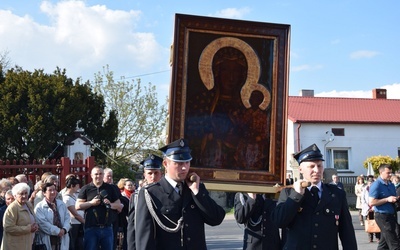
pixel 350 94
pixel 305 67
pixel 234 13
pixel 393 92
pixel 81 39
pixel 360 54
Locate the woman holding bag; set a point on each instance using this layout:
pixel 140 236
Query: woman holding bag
pixel 367 210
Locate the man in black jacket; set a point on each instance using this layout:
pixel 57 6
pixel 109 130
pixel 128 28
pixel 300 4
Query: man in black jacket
pixel 254 211
pixel 314 216
pixel 152 166
pixel 171 213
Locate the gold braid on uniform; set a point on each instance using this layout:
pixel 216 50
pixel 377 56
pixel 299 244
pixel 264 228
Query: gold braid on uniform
pixel 150 203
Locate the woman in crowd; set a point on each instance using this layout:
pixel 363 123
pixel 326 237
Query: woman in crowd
pixel 53 219
pixel 53 179
pixel 8 199
pixel 359 191
pixel 125 185
pixel 5 185
pixel 129 188
pixel 367 210
pixel 77 216
pixel 19 221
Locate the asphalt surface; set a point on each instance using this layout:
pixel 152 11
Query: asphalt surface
pixel 228 235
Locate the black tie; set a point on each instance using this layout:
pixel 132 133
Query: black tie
pixel 314 192
pixel 179 186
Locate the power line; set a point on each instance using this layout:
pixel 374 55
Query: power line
pixel 136 76
pixel 147 74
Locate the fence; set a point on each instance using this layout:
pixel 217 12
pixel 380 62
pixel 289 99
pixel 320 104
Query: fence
pixel 348 183
pixel 34 170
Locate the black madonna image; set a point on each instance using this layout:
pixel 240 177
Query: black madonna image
pixel 229 97
pixel 227 111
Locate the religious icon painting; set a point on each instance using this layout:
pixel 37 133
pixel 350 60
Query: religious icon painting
pixel 228 98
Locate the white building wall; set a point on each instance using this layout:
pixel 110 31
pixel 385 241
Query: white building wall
pixel 363 141
pixel 78 146
pixel 290 143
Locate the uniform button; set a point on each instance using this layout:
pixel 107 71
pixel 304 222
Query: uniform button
pixel 316 224
pixel 186 225
pixel 167 210
pixel 315 236
pixel 314 246
pixel 317 213
pixel 188 238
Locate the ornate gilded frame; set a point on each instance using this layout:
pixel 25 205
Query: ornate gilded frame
pixel 228 99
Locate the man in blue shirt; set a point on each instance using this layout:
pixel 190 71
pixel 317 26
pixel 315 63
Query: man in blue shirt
pixel 382 195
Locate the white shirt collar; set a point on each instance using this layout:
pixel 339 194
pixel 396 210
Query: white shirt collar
pixel 319 186
pixel 171 182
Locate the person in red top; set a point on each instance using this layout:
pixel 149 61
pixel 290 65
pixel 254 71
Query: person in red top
pixel 129 188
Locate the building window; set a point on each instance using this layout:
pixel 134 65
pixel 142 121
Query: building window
pixel 338 131
pixel 340 159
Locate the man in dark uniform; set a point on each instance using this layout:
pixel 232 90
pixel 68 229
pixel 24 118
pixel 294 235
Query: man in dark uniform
pixel 314 216
pixel 98 199
pixel 254 211
pixel 171 213
pixel 151 173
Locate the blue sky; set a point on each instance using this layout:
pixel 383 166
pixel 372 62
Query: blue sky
pixel 337 48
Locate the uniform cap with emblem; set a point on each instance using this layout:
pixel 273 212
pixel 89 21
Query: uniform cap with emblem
pixel 152 162
pixel 177 151
pixel 311 153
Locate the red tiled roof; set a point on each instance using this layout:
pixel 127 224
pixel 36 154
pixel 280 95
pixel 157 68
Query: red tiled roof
pixel 343 110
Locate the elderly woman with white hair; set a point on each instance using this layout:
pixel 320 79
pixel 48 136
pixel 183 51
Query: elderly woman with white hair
pixel 19 221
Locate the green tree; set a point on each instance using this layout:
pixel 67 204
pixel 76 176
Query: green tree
pixel 38 111
pixel 141 118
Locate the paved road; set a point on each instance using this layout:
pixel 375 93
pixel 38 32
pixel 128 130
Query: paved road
pixel 228 236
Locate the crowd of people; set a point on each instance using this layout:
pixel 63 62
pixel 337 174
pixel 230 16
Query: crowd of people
pixel 169 209
pixel 379 199
pixel 93 216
